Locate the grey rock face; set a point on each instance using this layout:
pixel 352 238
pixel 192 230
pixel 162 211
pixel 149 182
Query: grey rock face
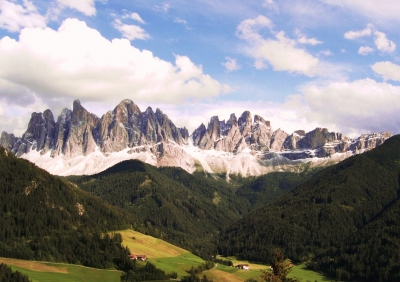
pixel 8 141
pixel 238 134
pixel 79 132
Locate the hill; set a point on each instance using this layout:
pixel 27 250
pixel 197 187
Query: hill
pixel 333 216
pixel 184 209
pixel 45 218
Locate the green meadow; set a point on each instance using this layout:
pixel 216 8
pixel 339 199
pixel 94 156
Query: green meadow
pixel 163 255
pixel 50 272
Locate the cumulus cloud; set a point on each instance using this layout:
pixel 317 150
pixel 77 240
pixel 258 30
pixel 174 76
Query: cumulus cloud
pixel 301 38
pixel 14 17
pixel 77 62
pixel 360 33
pixel 387 70
pixel 356 107
pixel 136 17
pixel 280 51
pixel 130 31
pixel 382 43
pixel 365 50
pixel 84 6
pixel 231 64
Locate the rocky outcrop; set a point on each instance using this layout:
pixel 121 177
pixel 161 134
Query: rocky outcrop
pixel 79 133
pixel 256 134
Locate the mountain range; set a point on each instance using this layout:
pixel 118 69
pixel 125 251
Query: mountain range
pixel 80 143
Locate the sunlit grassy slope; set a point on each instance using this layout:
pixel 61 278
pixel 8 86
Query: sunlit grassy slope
pixel 171 258
pixel 50 272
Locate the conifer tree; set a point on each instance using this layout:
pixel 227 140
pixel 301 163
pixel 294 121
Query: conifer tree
pixel 280 269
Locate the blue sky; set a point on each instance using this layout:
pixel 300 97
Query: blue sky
pixel 299 63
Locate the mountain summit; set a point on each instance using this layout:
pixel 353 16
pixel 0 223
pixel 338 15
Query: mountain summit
pixel 79 142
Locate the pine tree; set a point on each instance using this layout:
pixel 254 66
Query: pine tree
pixel 280 269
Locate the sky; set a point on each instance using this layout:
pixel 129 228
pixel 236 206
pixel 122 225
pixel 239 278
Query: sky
pixel 300 64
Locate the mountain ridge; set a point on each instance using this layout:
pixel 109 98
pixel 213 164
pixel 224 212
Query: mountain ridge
pixel 244 145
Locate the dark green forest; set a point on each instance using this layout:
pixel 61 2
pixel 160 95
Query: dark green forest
pixel 344 221
pixel 184 209
pixel 7 275
pixel 188 210
pixel 46 218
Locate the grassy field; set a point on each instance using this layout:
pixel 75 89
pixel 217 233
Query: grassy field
pixel 162 254
pixel 49 272
pixel 303 274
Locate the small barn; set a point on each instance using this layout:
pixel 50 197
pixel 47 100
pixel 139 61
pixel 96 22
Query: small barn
pixel 243 266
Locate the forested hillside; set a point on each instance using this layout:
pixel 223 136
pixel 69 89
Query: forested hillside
pixel 346 216
pixel 269 187
pixel 45 218
pixel 184 209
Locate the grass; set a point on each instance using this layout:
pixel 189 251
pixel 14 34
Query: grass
pixel 163 255
pixel 153 248
pixel 49 272
pixel 180 264
pixel 303 274
pixel 224 273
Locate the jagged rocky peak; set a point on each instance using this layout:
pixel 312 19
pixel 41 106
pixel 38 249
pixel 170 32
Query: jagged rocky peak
pixel 79 132
pixel 198 134
pixel 245 123
pixel 40 132
pixel 235 134
pixel 260 120
pixel 117 128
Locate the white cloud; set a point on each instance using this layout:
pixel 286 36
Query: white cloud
pixel 248 29
pixel 382 43
pixel 387 70
pixel 182 21
pixel 365 50
pixel 301 38
pixel 270 4
pixel 76 62
pixel 326 53
pixel 280 52
pixel 360 33
pixel 14 17
pixel 136 17
pixel 84 6
pixel 130 31
pixel 164 7
pixel 231 64
pixel 353 108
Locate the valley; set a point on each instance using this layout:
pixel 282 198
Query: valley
pixel 316 214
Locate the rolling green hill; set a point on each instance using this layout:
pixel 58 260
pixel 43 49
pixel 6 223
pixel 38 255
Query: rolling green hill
pixel 346 216
pixel 187 210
